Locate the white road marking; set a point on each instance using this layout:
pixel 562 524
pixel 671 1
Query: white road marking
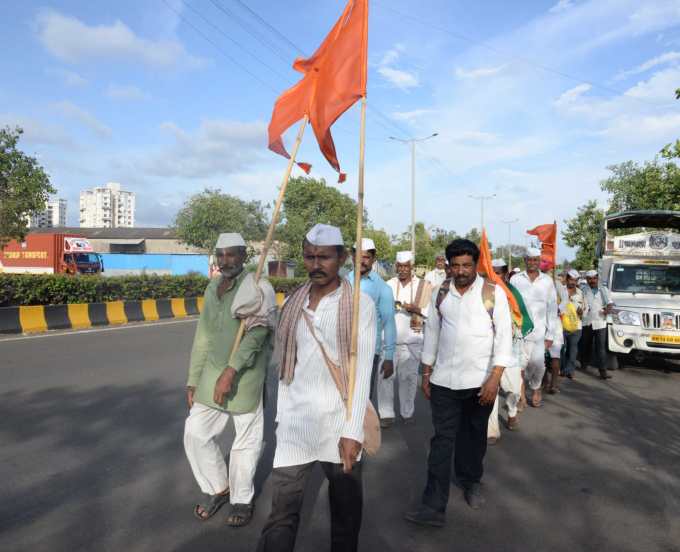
pixel 132 326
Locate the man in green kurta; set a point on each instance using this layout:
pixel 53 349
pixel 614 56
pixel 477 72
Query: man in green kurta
pixel 221 386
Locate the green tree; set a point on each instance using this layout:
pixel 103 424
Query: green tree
pixel 652 185
pixel 441 238
pixel 582 232
pixel 383 245
pixel 309 201
pixel 425 251
pixel 24 187
pixel 206 215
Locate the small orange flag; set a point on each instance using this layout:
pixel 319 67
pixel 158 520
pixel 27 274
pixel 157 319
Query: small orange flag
pixel 547 235
pixel 334 79
pixel 485 268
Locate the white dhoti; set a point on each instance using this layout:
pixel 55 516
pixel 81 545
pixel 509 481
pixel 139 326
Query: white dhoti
pixel 511 384
pixel 202 431
pixel 536 366
pixel 406 361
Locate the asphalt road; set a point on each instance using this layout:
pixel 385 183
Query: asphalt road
pixel 91 458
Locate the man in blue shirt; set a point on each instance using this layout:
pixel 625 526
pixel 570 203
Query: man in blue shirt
pixel 374 286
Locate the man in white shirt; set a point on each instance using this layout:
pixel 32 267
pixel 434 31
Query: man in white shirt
pixel 571 322
pixel 313 345
pixel 438 275
pixel 595 324
pixel 540 296
pixel 412 297
pixel 468 344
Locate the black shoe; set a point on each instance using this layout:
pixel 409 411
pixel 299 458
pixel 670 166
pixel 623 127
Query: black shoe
pixel 386 422
pixel 474 496
pixel 424 515
pixel 604 375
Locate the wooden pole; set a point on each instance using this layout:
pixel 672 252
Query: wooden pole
pixel 272 227
pixel 357 263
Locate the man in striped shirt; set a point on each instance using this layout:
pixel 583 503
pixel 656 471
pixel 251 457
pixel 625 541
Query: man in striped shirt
pixel 313 342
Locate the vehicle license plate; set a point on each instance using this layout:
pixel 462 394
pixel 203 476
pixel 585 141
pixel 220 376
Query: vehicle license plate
pixel 672 339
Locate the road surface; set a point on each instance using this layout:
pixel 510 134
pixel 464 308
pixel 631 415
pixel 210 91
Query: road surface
pixel 92 459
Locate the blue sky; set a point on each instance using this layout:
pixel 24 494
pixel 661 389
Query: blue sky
pixel 532 100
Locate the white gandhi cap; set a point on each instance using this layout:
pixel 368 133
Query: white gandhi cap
pixel 533 252
pixel 573 274
pixel 591 273
pixel 366 244
pixel 404 257
pixel 498 263
pixel 230 239
pixel 325 234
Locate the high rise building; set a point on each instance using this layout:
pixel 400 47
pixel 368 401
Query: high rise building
pixel 53 216
pixel 107 207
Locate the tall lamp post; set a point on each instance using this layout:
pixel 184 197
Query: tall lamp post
pixel 510 223
pixel 412 143
pixel 482 199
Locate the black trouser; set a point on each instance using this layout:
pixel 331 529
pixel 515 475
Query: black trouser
pixel 601 348
pixel 374 382
pixel 585 346
pixel 346 500
pixel 461 422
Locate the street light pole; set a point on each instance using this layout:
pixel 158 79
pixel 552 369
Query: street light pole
pixel 412 143
pixel 481 199
pixel 510 223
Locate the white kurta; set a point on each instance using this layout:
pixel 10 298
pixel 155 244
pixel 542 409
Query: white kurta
pixel 311 415
pixel 406 358
pixel 597 300
pixel 436 277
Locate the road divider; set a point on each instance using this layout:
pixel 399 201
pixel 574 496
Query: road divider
pixel 40 318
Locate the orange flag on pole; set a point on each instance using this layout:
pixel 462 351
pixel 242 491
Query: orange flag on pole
pixel 334 78
pixel 485 268
pixel 547 235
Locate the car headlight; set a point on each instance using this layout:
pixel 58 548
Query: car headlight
pixel 627 318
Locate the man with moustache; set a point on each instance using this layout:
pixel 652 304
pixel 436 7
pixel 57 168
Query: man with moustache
pixel 313 347
pixel 221 386
pixel 595 325
pixel 468 345
pixel 375 287
pixel 540 296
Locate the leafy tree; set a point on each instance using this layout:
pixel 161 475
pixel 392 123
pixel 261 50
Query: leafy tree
pixel 383 245
pixel 206 215
pixel 441 238
pixel 652 185
pixel 309 201
pixel 425 251
pixel 475 235
pixel 582 232
pixel 24 187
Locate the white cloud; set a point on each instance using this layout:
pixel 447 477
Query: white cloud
pixel 73 41
pixel 410 116
pixel 85 118
pixel 126 93
pixel 572 95
pixel 660 86
pixel 663 59
pixel 69 78
pixel 643 128
pixel 37 132
pixel 480 72
pixel 216 148
pixel 562 5
pixel 397 77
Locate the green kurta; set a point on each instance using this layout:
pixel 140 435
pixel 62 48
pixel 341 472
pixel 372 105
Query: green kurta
pixel 213 341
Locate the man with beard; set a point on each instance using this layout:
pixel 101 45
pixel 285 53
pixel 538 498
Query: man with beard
pixel 223 386
pixel 438 275
pixel 412 295
pixel 375 287
pixel 540 296
pixel 314 427
pixel 468 345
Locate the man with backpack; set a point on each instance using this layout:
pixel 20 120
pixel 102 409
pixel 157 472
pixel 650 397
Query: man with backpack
pixel 468 344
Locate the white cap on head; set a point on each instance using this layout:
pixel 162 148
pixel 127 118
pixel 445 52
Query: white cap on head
pixel 516 270
pixel 591 273
pixel 533 252
pixel 366 244
pixel 404 257
pixel 230 239
pixel 572 273
pixel 325 234
pixel 498 263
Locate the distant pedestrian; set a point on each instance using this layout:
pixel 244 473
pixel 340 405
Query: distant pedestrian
pixel 595 325
pixel 313 347
pixel 436 276
pixel 220 388
pixel 572 308
pixel 468 345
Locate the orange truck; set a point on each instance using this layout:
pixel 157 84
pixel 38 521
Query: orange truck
pixel 50 254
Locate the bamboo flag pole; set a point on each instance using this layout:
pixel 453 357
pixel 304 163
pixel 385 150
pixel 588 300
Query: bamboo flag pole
pixel 272 226
pixel 357 263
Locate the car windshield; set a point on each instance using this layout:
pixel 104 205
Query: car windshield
pixel 646 278
pixel 86 258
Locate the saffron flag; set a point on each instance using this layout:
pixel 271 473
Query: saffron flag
pixel 547 235
pixel 334 79
pixel 485 268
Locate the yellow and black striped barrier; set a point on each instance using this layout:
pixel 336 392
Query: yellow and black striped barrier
pixel 40 318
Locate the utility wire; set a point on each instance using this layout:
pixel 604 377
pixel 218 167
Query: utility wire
pixel 273 29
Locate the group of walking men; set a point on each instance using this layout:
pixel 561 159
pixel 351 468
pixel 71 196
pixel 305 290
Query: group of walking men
pixel 453 328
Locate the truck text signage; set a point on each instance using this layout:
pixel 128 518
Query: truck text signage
pixel 661 244
pixel 25 254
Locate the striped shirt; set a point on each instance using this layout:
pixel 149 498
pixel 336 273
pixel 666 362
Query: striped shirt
pixel 311 415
